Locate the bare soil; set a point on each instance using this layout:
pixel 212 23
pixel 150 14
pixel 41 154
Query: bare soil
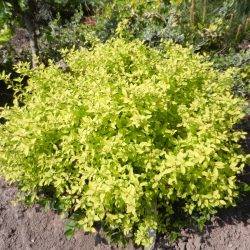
pixel 229 230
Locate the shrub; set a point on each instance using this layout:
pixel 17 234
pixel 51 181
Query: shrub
pixel 124 134
pixel 208 25
pixel 58 35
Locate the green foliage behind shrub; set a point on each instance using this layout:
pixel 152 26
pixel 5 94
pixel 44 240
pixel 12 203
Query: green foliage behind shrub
pixel 124 134
pixel 208 25
pixel 59 35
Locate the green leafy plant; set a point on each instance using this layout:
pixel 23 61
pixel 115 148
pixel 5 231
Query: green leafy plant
pixel 208 25
pixel 5 35
pixel 127 136
pixel 58 35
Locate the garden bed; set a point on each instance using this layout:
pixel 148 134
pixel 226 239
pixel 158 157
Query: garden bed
pixel 34 228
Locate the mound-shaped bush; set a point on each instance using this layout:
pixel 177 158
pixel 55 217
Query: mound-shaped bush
pixel 123 135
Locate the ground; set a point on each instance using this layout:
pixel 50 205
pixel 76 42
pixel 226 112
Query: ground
pixel 26 228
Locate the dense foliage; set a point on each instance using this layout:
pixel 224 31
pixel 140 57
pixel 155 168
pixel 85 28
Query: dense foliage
pixel 208 25
pixel 123 135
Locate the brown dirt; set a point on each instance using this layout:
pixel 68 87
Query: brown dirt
pixel 229 230
pixel 26 228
